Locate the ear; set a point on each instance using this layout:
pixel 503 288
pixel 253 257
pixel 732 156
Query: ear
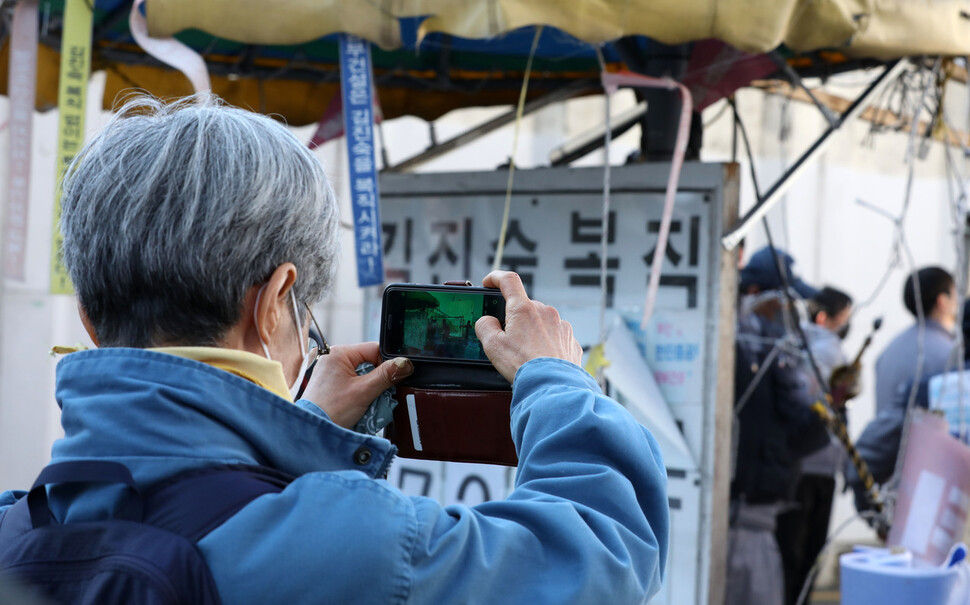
pixel 273 304
pixel 821 318
pixel 942 302
pixel 88 326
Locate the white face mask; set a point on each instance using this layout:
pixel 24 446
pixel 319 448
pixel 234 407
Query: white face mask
pixel 308 355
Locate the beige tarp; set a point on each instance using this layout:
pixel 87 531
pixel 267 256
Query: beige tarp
pixel 866 28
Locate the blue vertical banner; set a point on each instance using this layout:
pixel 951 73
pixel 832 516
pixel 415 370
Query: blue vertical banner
pixel 356 83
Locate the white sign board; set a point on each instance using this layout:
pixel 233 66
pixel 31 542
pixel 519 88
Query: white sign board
pixel 440 227
pixel 451 482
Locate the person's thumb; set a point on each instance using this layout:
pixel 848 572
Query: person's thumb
pixel 487 328
pixel 386 375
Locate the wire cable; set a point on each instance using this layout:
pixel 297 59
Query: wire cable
pixel 781 272
pixel 784 133
pixel 810 579
pixel 720 113
pixel 958 211
pixel 762 370
pixel 500 249
pixel 890 490
pixel 604 237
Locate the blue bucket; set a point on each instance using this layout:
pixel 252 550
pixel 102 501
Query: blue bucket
pixel 880 577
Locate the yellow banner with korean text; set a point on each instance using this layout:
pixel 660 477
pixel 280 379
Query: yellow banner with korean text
pixel 72 92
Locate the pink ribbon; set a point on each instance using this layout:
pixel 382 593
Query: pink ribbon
pixel 612 81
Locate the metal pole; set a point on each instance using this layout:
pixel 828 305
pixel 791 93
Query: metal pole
pixel 481 130
pixel 592 140
pixel 778 189
pixel 827 113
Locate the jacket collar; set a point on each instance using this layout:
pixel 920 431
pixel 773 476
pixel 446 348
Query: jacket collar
pixel 162 413
pixel 264 372
pixel 932 324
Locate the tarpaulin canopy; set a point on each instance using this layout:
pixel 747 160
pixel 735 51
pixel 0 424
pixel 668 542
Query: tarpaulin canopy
pixel 883 28
pixel 281 57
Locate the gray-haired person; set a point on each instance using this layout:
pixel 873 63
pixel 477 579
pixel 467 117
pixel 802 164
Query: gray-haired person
pixel 197 237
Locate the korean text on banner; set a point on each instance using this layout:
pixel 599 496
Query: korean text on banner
pixel 72 91
pixel 356 88
pixel 22 87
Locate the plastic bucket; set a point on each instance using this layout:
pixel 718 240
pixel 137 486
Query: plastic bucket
pixel 879 578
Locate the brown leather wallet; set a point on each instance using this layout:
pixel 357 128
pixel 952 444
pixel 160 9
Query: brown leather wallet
pixel 458 426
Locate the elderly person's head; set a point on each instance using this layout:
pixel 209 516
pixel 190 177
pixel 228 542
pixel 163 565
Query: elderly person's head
pixel 180 219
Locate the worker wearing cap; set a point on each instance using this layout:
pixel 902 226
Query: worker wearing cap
pixel 774 428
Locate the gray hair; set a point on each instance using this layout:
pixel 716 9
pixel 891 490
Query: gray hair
pixel 174 211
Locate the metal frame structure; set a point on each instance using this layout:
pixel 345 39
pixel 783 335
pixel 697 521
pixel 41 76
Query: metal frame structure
pixel 438 149
pixel 780 186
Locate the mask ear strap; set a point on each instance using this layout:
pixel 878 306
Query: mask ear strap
pixel 299 324
pixel 256 323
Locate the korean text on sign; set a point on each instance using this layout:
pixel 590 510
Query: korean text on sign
pixel 355 85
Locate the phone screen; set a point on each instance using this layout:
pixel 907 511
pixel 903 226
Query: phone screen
pixel 438 323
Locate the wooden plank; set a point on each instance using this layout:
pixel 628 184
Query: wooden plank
pixel 878 116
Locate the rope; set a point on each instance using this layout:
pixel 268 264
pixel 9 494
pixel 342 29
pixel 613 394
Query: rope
pixel 604 237
pixel 500 249
pixel 910 157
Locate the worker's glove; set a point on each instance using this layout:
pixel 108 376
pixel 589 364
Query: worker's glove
pixel 845 384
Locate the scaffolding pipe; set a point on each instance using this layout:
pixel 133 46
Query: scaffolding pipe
pixel 731 240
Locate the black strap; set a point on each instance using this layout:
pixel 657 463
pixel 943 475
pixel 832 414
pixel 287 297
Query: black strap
pixel 190 504
pixel 194 503
pixel 82 471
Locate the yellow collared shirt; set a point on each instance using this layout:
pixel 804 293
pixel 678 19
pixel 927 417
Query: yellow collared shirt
pixel 264 372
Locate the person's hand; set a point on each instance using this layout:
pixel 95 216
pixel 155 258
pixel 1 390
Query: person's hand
pixel 336 388
pixel 845 384
pixel 768 304
pixel 532 329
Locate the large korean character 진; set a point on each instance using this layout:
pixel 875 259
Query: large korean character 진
pixel 585 270
pixel 683 251
pixel 519 254
pixel 450 259
pixel 397 249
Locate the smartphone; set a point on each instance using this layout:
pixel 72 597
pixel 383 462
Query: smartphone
pixel 437 323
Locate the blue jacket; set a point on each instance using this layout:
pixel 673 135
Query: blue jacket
pixel 587 522
pixel 776 426
pixel 896 365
